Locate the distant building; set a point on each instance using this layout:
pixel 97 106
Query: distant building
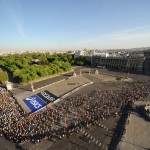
pixel 101 54
pixel 80 53
pixel 71 52
pixel 147 62
pixel 132 61
pixel 120 63
pixel 147 53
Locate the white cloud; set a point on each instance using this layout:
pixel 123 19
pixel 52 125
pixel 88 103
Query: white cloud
pixel 133 37
pixel 140 36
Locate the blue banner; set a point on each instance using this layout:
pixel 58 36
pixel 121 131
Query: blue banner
pixel 34 102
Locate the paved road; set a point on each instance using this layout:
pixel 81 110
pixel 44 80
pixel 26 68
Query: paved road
pixel 58 89
pixel 135 77
pixel 41 83
pixel 84 71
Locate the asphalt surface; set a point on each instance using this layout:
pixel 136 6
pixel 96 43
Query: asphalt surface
pixel 80 141
pixel 138 131
pixel 42 83
pixel 58 89
pixel 84 71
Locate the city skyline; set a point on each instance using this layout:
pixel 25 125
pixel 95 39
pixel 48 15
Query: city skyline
pixel 68 24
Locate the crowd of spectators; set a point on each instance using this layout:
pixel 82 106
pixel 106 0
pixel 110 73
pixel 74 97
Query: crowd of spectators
pixel 10 111
pixel 67 116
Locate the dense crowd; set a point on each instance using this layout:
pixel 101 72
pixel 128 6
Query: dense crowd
pixel 10 110
pixel 67 116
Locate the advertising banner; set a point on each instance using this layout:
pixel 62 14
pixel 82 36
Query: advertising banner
pixel 34 102
pixel 47 96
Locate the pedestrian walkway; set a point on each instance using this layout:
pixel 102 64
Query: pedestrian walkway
pixel 137 136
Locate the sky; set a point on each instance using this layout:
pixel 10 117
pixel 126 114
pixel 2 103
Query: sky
pixel 74 24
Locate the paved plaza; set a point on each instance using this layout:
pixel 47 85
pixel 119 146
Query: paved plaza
pixel 80 140
pixel 63 85
pixel 137 136
pixel 59 88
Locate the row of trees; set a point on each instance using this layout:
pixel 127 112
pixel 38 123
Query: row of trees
pixel 29 66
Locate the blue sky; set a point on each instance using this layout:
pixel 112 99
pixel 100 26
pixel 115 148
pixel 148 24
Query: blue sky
pixel 74 24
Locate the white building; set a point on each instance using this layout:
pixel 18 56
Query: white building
pixel 101 54
pixel 80 53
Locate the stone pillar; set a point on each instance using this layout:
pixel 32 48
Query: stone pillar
pixel 127 75
pixel 32 87
pixel 8 85
pixel 80 72
pixel 74 74
pixel 96 71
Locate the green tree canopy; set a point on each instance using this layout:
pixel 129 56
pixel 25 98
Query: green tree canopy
pixel 23 67
pixel 3 76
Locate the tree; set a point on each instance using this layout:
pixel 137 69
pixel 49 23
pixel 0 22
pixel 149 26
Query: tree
pixel 3 76
pixel 23 70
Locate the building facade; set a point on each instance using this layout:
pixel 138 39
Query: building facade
pixel 147 62
pixel 119 63
pixel 129 63
pixel 147 53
